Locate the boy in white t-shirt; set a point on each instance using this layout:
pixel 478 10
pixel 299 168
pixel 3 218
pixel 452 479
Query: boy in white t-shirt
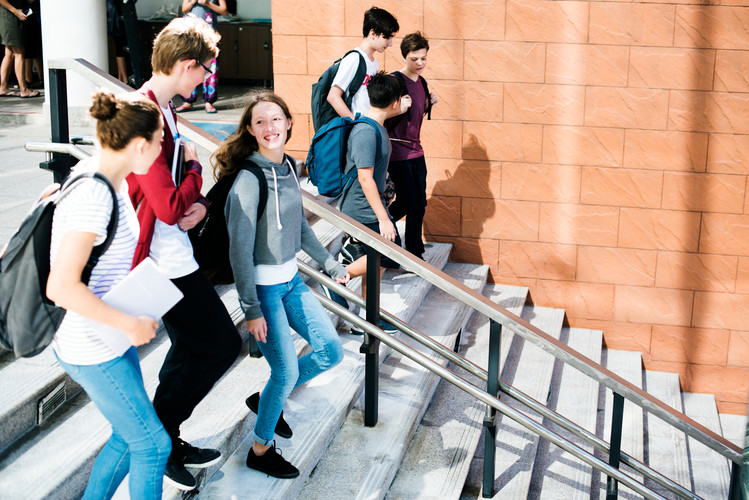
pixel 204 339
pixel 378 29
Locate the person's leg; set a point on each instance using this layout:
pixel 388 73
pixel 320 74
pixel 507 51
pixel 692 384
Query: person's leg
pixel 5 68
pixel 415 214
pixel 398 171
pixel 280 353
pixel 139 444
pixel 205 343
pixel 308 318
pixel 188 101
pixel 210 87
pixel 18 65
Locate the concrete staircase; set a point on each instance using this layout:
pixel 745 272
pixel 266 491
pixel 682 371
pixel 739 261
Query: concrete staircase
pixel 427 441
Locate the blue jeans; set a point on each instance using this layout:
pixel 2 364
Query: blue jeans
pixel 286 306
pixel 139 444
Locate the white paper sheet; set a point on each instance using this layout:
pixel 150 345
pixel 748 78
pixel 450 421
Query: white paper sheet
pixel 146 291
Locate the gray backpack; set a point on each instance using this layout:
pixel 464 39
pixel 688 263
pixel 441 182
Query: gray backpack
pixel 28 319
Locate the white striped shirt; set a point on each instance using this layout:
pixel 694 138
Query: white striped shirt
pixel 87 209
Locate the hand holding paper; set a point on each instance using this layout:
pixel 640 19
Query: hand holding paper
pixel 144 293
pixel 144 329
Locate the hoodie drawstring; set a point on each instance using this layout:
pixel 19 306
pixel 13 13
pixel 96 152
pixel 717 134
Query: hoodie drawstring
pixel 278 210
pixel 275 183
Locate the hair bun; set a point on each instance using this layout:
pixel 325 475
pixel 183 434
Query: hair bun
pixel 104 105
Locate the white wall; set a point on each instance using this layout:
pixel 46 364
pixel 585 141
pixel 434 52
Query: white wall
pixel 87 41
pixel 246 9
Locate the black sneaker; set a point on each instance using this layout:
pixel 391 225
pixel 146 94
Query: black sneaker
pixel 176 475
pixel 338 299
pixel 282 428
pixel 351 250
pixel 191 456
pixel 272 463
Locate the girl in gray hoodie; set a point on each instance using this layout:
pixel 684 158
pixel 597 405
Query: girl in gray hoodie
pixel 262 252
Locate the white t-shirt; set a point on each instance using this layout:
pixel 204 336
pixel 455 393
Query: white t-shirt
pixel 171 249
pixel 347 71
pixel 87 209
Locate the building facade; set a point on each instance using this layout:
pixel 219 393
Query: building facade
pixel 596 152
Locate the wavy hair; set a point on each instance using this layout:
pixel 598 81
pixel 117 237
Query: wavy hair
pixel 241 143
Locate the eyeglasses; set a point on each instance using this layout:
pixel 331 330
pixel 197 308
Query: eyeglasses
pixel 206 68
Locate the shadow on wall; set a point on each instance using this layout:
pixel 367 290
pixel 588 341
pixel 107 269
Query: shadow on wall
pixel 460 203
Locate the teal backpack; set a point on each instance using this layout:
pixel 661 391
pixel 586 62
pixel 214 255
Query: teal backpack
pixel 326 159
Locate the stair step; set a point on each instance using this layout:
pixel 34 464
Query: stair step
pixel 734 428
pixel 316 413
pixel 372 455
pixel 439 456
pixel 557 474
pixel 711 472
pixel 667 446
pixel 529 369
pixel 627 365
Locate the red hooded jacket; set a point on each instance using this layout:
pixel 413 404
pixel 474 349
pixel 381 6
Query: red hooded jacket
pixel 154 195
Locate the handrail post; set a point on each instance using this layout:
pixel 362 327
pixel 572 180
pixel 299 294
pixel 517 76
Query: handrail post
pixel 60 163
pixel 612 488
pixel 490 419
pixel 371 345
pixel 734 490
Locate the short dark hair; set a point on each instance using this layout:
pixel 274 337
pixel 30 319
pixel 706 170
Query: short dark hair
pixel 385 89
pixel 381 22
pixel 413 42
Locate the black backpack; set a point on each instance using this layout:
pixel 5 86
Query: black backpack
pixel 28 319
pixel 210 237
pixel 322 111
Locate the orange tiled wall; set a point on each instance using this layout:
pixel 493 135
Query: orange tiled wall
pixel 597 152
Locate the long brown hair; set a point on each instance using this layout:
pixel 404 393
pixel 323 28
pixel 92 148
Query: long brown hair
pixel 241 143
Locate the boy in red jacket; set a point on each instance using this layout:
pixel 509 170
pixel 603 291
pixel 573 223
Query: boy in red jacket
pixel 205 342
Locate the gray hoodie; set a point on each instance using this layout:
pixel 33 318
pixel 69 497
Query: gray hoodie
pixel 276 238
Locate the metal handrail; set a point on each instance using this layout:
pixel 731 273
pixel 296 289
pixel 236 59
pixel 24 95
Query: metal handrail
pixel 482 375
pixel 471 298
pixel 57 147
pixel 521 327
pixel 488 399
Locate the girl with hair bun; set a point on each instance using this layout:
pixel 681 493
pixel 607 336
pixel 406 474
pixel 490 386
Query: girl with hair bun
pixel 129 129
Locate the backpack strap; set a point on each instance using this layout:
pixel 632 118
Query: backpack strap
pixel 428 101
pixel 253 167
pixel 98 250
pixel 359 76
pixel 428 104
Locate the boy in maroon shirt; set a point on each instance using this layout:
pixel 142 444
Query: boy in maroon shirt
pixel 407 167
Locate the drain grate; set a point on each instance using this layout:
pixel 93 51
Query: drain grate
pixel 50 403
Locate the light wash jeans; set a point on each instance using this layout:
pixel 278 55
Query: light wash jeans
pixel 139 444
pixel 286 306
